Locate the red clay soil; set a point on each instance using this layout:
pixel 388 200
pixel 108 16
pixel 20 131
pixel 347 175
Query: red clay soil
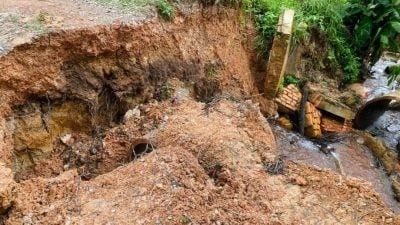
pixel 187 88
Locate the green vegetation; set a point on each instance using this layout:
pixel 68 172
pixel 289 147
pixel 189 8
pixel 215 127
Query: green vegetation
pixel 211 70
pixel 374 23
pixel 185 219
pixel 393 73
pixel 126 3
pixel 14 18
pixel 291 79
pixel 324 15
pixel 165 9
pixel 38 24
pixel 166 91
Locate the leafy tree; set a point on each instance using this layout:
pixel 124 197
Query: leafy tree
pixel 375 26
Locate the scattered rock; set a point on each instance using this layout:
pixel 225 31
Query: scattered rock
pixel 396 189
pixel 360 140
pixel 299 180
pixel 359 90
pixel 93 151
pixel 7 186
pixel 267 107
pixel 326 148
pixel 285 122
pixel 67 139
pixel 132 113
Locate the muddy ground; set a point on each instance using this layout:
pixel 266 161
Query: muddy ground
pixel 155 123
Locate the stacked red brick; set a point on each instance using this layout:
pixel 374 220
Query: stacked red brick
pixel 330 125
pixel 288 100
pixel 312 123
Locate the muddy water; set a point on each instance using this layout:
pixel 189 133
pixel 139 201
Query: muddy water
pixel 387 126
pixel 376 85
pixel 352 157
pixel 356 160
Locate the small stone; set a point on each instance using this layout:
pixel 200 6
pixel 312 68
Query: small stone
pixel 27 220
pixel 7 185
pixel 299 180
pixel 66 166
pixel 86 177
pixel 67 139
pixel 132 113
pixel 93 151
pixel 285 122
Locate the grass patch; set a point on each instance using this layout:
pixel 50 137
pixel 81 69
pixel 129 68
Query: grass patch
pixel 167 91
pixel 127 3
pixel 211 70
pixel 38 24
pixel 186 219
pixel 14 18
pixel 165 9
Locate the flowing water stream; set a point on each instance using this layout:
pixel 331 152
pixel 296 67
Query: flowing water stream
pixel 350 157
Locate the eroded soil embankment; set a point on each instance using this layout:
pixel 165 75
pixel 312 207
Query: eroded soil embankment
pixel 75 104
pixel 83 82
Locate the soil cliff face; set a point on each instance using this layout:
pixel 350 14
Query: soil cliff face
pixel 85 80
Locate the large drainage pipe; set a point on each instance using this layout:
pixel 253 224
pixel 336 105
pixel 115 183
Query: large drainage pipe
pixel 374 108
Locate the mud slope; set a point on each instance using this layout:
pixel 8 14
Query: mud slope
pixel 155 124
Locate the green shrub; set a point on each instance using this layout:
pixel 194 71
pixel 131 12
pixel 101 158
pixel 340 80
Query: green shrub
pixel 165 9
pixel 375 26
pixel 291 79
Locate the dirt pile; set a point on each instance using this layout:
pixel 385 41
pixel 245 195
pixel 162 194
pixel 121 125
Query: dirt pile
pixel 211 178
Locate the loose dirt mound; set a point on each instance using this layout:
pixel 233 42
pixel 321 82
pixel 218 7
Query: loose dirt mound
pixel 154 124
pixel 212 179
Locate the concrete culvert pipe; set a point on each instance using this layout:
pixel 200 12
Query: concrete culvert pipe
pixel 374 108
pixel 141 147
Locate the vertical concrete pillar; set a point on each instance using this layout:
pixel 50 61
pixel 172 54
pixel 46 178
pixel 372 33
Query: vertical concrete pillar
pixel 279 54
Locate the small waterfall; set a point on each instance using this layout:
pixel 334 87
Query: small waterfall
pixel 337 162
